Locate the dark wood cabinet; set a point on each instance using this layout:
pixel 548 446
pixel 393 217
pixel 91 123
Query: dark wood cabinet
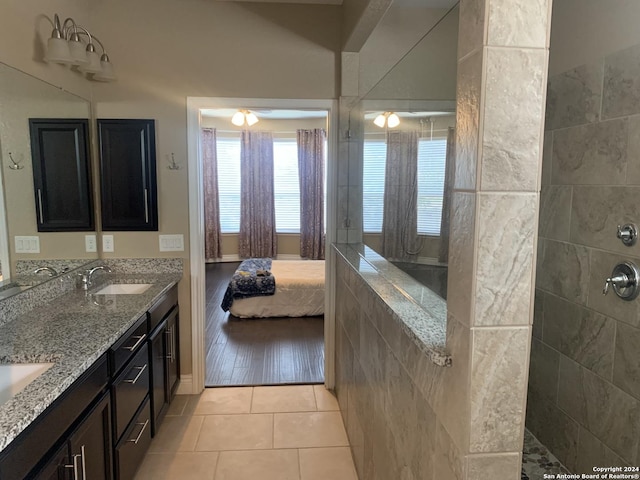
pixel 61 174
pixel 158 382
pixel 163 355
pixel 171 356
pixel 86 453
pixel 130 450
pixel 100 428
pixel 90 444
pixel 128 183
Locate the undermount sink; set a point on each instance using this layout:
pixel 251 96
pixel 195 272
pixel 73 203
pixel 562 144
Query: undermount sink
pixel 14 377
pixel 124 289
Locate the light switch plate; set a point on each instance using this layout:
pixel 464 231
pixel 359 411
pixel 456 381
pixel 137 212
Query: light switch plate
pixel 107 243
pixel 90 243
pixel 171 243
pixel 27 244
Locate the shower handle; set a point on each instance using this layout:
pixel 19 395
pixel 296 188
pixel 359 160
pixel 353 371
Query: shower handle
pixel 625 281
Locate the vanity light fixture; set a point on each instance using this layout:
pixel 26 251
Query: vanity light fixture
pixel 244 116
pixel 390 119
pixel 69 46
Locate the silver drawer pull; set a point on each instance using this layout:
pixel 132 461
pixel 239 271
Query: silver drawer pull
pixel 74 466
pixel 140 338
pixel 142 369
pixel 137 439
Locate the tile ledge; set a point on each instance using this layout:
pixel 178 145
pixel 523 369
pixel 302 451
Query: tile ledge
pixel 424 325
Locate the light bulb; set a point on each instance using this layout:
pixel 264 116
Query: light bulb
pixel 380 120
pixel 251 118
pixel 238 118
pixel 393 120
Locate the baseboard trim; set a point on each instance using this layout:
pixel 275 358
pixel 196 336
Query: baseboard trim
pixel 185 387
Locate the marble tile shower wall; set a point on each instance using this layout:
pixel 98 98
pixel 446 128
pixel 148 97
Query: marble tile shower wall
pixel 398 407
pixel 584 384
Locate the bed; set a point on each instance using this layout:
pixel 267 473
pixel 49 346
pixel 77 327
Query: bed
pixel 299 292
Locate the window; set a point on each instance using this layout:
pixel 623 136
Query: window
pixel 286 185
pixel 432 158
pixel 374 159
pixel 228 152
pixel 431 170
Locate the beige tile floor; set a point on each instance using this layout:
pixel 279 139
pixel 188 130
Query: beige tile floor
pixel 251 433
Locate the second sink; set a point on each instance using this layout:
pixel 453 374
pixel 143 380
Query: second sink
pixel 124 289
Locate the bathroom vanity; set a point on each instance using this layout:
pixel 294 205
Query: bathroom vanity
pixel 114 371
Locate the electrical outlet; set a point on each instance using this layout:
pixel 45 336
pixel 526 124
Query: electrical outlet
pixel 107 243
pixel 27 244
pixel 171 243
pixel 90 243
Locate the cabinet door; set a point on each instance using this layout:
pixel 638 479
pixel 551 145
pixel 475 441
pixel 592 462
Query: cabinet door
pixel 58 467
pixel 128 175
pixel 61 174
pixel 90 444
pixel 158 375
pixel 172 354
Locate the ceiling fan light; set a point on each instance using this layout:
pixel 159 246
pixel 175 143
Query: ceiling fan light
pixel 252 119
pixel 238 118
pixel 380 120
pixel 393 120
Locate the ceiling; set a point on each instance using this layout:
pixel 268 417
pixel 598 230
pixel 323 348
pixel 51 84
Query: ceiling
pixel 275 114
pixel 304 2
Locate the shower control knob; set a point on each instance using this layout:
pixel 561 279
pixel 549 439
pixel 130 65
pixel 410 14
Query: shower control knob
pixel 624 279
pixel 628 233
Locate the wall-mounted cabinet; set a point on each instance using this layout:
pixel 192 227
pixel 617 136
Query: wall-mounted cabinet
pixel 61 174
pixel 128 184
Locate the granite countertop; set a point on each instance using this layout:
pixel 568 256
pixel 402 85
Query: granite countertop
pixel 72 332
pixel 422 313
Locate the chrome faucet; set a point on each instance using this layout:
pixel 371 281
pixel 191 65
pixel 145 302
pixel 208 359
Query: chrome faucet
pixel 52 272
pixel 87 277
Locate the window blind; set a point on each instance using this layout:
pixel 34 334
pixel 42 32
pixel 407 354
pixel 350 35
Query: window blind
pixel 431 171
pixel 228 153
pixel 374 155
pixel 432 155
pixel 286 185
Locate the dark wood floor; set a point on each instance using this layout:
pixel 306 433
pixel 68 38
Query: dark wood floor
pixel 268 351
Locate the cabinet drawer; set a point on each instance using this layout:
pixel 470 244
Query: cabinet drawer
pixel 130 450
pixel 162 308
pixel 130 389
pixel 129 344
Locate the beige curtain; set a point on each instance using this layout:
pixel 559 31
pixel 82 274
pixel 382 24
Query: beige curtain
pixel 311 174
pixel 443 255
pixel 212 248
pixel 257 208
pixel 400 218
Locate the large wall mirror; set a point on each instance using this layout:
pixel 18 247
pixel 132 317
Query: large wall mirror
pixel 406 123
pixel 24 97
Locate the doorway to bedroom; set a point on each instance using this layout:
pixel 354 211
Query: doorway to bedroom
pixel 264 201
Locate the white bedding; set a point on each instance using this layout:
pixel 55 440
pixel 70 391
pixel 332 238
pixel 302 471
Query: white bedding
pixel 299 292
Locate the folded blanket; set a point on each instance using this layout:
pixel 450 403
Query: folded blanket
pixel 252 278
